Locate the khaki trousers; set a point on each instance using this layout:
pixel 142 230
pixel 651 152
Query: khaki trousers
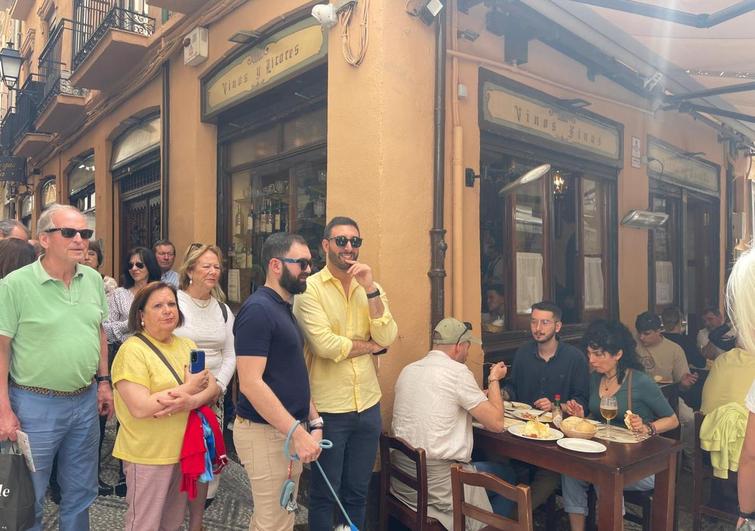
pixel 155 500
pixel 260 450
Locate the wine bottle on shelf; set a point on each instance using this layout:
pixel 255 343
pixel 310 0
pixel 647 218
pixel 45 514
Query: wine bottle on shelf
pixel 250 220
pixel 277 219
pixel 237 220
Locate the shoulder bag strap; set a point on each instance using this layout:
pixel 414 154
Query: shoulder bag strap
pixel 629 388
pixel 160 355
pixel 224 311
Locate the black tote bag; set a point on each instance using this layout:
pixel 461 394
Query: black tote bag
pixel 16 490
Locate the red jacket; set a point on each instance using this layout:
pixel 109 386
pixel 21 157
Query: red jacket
pixel 193 450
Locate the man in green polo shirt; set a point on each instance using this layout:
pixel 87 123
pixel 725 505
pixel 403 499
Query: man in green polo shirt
pixel 52 346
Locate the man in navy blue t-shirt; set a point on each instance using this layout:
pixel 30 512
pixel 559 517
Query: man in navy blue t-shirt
pixel 275 400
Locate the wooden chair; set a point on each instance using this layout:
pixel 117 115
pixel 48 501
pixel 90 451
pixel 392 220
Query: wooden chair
pixel 702 473
pixel 519 494
pixel 390 505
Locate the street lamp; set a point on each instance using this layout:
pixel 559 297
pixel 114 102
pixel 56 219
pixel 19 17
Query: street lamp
pixel 10 65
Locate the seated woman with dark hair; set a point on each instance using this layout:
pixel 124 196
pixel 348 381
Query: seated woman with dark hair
pixel 617 372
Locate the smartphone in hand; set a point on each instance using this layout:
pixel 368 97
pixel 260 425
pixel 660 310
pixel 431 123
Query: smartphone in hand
pixel 197 361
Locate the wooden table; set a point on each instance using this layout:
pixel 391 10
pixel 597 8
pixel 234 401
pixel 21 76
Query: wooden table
pixel 621 464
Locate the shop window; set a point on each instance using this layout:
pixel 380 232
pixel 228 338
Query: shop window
pixel 27 208
pixel 48 193
pixel 546 240
pixel 278 178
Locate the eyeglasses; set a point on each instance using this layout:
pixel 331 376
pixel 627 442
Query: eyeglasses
pixel 138 265
pixel 341 241
pixel 166 254
pixel 467 328
pixel 544 322
pixel 67 232
pixel 304 263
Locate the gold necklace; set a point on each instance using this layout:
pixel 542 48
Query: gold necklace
pixel 607 381
pixel 201 306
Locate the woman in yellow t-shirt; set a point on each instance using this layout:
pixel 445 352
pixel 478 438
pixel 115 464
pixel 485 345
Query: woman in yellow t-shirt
pixel 153 408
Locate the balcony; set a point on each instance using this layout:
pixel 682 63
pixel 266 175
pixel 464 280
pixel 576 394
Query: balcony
pixel 62 105
pixel 179 6
pixel 21 9
pixel 107 44
pixel 7 130
pixel 26 140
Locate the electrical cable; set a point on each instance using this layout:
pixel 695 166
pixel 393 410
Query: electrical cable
pixel 345 18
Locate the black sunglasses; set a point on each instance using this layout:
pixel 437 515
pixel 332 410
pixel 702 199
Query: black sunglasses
pixel 467 328
pixel 304 263
pixel 67 232
pixel 138 265
pixel 341 241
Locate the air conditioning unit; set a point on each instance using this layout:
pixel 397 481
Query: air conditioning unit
pixel 196 46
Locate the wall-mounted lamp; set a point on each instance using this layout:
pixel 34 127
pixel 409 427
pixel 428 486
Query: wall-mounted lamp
pixel 644 219
pixel 10 65
pixel 559 184
pixel 532 175
pixel 469 177
pixel 244 36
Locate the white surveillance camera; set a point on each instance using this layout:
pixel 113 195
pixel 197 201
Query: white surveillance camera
pixel 325 14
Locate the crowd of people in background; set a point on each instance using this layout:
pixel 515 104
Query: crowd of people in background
pixel 303 351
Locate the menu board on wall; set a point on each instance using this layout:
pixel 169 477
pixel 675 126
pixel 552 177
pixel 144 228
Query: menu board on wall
pixel 664 282
pixel 594 286
pixel 529 281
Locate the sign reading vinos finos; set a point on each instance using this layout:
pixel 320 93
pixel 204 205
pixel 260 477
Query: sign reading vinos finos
pixel 513 109
pixel 268 63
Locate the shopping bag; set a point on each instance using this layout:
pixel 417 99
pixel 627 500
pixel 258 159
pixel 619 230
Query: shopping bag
pixel 16 490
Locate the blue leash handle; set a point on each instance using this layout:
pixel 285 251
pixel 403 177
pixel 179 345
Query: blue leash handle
pixel 325 444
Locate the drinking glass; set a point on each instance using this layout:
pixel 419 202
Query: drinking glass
pixel 608 409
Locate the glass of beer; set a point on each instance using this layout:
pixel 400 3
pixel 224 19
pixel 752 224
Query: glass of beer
pixel 609 409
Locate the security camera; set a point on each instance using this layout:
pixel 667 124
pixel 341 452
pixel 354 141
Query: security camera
pixel 325 14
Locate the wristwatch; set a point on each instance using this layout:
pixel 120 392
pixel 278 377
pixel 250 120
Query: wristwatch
pixel 316 424
pixel 105 378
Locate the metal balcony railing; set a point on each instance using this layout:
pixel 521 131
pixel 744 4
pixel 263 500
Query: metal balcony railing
pixel 7 130
pixel 94 18
pixel 27 106
pixel 53 71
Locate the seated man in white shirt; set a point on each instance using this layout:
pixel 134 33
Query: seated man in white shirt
pixel 436 399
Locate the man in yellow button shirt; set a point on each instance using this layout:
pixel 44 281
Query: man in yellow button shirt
pixel 345 318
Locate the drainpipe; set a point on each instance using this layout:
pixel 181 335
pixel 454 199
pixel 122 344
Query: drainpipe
pixel 457 176
pixel 165 151
pixel 438 245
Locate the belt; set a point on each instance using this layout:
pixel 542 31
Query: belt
pixel 49 392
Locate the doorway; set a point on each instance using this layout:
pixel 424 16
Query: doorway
pixel 684 253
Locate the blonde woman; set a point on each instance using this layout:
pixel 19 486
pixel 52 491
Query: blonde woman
pixel 740 298
pixel 209 323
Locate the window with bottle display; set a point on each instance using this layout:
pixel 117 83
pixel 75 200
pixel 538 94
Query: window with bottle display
pixel 278 184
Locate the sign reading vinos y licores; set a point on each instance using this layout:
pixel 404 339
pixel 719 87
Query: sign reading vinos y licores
pixel 268 63
pixel 514 109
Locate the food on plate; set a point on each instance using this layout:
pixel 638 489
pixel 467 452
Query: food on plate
pixel 628 419
pixel 526 415
pixel 536 429
pixel 578 424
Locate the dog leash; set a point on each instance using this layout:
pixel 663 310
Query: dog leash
pixel 288 500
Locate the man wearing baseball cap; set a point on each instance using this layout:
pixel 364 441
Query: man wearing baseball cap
pixel 442 384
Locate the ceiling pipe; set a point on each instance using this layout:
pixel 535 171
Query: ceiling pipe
pixel 701 20
pixel 731 89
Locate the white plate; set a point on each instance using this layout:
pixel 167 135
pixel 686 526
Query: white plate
pixel 517 405
pixel 530 414
pixel 581 445
pixel 553 435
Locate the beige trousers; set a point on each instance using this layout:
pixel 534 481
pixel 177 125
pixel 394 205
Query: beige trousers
pixel 260 450
pixel 155 502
